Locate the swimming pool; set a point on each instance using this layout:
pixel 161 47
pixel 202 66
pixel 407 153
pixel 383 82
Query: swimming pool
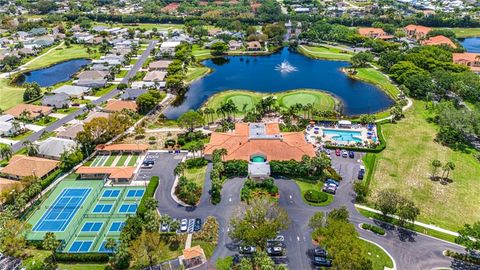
pixel 257 159
pixel 344 135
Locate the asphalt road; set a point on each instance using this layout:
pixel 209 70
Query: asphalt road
pixel 60 122
pixel 410 250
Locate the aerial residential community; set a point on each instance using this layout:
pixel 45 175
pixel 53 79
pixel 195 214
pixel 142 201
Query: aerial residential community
pixel 253 134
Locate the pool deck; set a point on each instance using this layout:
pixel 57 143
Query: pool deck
pixel 313 134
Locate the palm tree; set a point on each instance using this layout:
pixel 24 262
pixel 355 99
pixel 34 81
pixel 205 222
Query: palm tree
pixel 435 164
pixel 223 152
pixel 449 166
pixel 180 169
pixel 308 107
pixel 32 148
pixel 6 151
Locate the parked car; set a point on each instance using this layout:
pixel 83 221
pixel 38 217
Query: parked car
pixel 148 164
pixel 278 238
pixel 331 181
pixel 328 152
pixel 321 261
pixel 320 252
pixel 165 227
pixel 337 152
pixel 351 154
pixel 198 224
pixel 275 251
pixel 329 188
pixel 362 168
pixel 361 174
pixel 344 153
pixel 247 249
pixel 184 225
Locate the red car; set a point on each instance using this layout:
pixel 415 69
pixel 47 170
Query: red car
pixel 337 152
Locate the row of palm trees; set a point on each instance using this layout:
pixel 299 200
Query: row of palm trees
pixel 6 151
pixel 446 169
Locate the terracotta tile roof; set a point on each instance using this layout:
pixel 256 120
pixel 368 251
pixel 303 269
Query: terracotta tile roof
pixel 113 172
pixel 418 28
pixel 21 166
pixel 114 105
pixel 193 252
pixel 291 145
pixel 171 7
pixel 371 31
pixel 161 64
pixel 439 40
pixel 122 147
pixel 466 57
pixel 34 110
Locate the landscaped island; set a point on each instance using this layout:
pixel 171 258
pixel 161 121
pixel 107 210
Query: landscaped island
pixel 246 100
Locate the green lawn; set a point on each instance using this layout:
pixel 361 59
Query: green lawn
pixel 405 166
pixel 377 78
pixel 197 175
pixel 109 161
pixel 67 110
pixel 196 72
pixel 304 186
pixel 122 73
pixel 465 32
pixel 61 54
pixel 45 121
pixel 379 258
pixel 328 53
pixel 10 95
pixel 21 136
pixel 208 247
pixel 105 90
pixel 246 100
pixel 201 53
pixel 81 266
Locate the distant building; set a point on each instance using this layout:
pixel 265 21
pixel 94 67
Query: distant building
pixel 53 147
pixel 471 60
pixel 33 110
pixel 438 40
pixel 168 47
pixel 114 105
pixel 155 76
pixel 21 166
pixel 160 65
pixel 57 101
pixel 254 46
pixel 234 45
pixel 372 32
pixel 72 90
pixel 416 31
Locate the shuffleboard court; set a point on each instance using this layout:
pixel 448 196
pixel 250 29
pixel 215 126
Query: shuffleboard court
pixel 63 209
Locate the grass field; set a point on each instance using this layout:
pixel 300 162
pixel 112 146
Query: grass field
pixel 197 175
pixel 377 78
pixel 465 32
pixel 61 54
pixel 109 161
pixel 10 95
pixel 305 186
pixel 81 266
pixel 246 100
pixel 201 53
pixel 196 72
pixel 327 53
pixel 379 258
pixel 405 166
pixel 147 26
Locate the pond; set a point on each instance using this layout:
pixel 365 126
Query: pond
pixel 52 75
pixel 471 44
pixel 262 74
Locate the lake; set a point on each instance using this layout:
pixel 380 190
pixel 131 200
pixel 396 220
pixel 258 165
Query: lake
pixel 259 73
pixel 471 44
pixel 52 75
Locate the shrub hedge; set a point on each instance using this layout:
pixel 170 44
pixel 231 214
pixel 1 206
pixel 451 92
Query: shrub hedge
pixel 236 168
pixel 196 162
pixel 315 196
pixel 462 257
pixel 149 193
pixel 49 179
pixel 82 257
pixel 373 228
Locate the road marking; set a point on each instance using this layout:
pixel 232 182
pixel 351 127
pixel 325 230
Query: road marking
pixel 290 197
pixel 298 238
pixel 230 199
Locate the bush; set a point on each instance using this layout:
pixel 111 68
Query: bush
pixel 373 228
pixel 188 191
pixel 50 178
pixel 332 174
pixel 267 185
pixel 236 168
pixel 315 196
pixel 149 193
pixel 196 162
pixel 82 257
pixel 462 257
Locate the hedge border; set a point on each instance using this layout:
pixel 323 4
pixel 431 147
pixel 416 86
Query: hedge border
pixel 149 193
pixel 82 257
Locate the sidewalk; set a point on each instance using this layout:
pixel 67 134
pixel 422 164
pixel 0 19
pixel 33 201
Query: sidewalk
pixel 428 226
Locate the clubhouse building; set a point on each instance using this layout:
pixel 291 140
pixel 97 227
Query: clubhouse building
pixel 258 143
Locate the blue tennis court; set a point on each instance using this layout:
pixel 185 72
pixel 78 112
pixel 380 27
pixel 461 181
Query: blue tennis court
pixel 62 211
pixel 128 208
pixel 135 193
pixel 111 193
pixel 116 226
pixel 104 249
pixel 92 226
pixel 102 208
pixel 81 246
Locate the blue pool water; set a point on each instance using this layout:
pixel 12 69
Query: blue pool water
pixel 471 44
pixel 343 135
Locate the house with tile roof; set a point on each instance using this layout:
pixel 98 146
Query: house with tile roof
pixel 115 174
pixel 438 40
pixel 114 105
pixel 34 110
pixel 373 32
pixel 416 31
pixel 259 143
pixel 471 60
pixel 21 166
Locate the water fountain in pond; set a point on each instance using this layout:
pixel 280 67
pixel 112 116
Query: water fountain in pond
pixel 285 67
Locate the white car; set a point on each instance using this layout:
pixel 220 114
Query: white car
pixel 184 225
pixel 345 153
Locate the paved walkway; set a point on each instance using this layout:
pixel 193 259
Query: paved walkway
pixel 428 226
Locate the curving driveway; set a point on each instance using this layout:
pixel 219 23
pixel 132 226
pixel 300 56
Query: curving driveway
pixel 409 249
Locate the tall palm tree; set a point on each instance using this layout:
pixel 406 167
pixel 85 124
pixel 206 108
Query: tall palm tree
pixel 180 169
pixel 449 166
pixel 6 151
pixel 223 152
pixel 32 148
